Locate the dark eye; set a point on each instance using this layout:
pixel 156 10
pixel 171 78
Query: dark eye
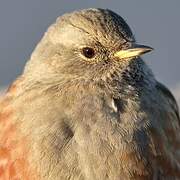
pixel 88 52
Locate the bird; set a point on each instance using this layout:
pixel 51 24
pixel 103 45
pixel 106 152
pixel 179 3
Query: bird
pixel 88 107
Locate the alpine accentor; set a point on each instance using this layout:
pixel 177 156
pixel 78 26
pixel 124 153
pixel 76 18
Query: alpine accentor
pixel 87 107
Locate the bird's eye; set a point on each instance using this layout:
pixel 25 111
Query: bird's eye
pixel 88 52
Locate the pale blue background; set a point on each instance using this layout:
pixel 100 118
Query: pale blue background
pixel 154 22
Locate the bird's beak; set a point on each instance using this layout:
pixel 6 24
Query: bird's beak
pixel 135 51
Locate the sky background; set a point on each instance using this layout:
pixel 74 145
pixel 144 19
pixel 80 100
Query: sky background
pixel 155 23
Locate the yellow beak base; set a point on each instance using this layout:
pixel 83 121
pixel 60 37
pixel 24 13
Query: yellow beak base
pixel 134 51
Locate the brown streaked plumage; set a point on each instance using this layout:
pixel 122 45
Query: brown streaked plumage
pixel 87 107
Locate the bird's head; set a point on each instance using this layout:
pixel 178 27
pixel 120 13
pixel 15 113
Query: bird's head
pixel 91 44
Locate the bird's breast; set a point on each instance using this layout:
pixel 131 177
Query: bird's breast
pixel 107 138
pixel 87 134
